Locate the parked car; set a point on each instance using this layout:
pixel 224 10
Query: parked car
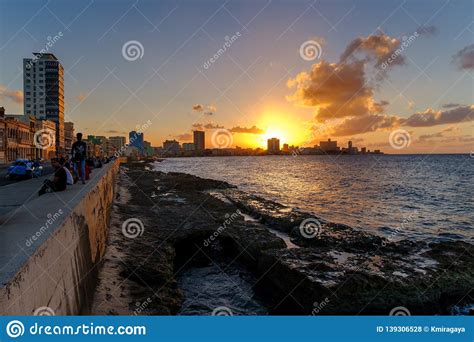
pixel 23 168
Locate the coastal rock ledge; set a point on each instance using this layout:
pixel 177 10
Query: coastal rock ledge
pixel 332 269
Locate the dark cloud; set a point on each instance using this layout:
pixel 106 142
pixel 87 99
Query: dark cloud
pixel 113 131
pixel 13 95
pixel 427 30
pixel 430 117
pixel 377 48
pixel 451 105
pixel 464 59
pixel 365 124
pixel 251 130
pixel 200 126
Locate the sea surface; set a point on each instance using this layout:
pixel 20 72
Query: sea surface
pixel 412 196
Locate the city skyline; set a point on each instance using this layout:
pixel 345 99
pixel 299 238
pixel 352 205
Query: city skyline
pixel 254 89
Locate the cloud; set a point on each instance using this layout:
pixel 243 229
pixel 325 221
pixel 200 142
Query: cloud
pixel 365 124
pixel 342 94
pixel 198 107
pixel 376 48
pixel 464 59
pixel 428 118
pixel 427 30
pixel 200 126
pixel 451 105
pixel 250 130
pixel 113 131
pixel 13 95
pixel 184 137
pixel 431 117
pixel 207 109
pixel 335 90
pixel 81 97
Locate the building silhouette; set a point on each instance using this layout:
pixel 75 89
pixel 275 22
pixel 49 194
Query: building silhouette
pixel 273 145
pixel 43 89
pixel 199 140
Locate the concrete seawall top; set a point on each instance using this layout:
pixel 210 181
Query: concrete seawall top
pixel 27 221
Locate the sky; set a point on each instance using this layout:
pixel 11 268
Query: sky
pixel 393 75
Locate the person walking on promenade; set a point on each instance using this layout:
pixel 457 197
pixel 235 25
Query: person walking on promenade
pixel 79 154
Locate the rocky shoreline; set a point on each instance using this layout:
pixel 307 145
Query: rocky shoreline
pixel 300 264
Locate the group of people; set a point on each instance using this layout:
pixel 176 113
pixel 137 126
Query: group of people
pixel 69 171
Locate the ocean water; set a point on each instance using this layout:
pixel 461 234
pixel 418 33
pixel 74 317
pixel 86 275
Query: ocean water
pixel 413 196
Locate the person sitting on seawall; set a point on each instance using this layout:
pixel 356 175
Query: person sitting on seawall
pixel 59 181
pixel 70 179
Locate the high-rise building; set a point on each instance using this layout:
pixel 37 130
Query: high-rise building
pixel 199 140
pixel 117 142
pixel 273 145
pixel 328 146
pixel 135 139
pixel 171 147
pixel 43 88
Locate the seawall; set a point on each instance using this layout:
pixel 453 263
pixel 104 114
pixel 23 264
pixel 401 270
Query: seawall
pixel 50 246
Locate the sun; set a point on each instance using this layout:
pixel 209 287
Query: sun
pixel 273 132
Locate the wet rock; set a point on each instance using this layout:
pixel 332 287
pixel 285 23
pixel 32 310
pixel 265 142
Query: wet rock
pixel 335 270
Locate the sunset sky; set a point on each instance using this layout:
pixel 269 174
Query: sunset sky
pixel 261 86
